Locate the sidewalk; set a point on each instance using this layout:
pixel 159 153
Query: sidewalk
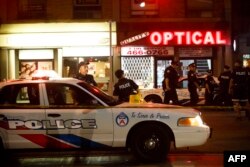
pixel 228 133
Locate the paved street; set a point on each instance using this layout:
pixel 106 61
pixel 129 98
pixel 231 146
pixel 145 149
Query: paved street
pixel 228 133
pixel 173 160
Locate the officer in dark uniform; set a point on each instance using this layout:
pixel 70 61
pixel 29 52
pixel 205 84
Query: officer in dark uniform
pixel 83 74
pixel 170 83
pixel 248 88
pixel 124 87
pixel 224 79
pixel 238 85
pixel 193 84
pixel 209 88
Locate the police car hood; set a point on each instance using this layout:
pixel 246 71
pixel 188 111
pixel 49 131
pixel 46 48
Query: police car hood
pixel 147 105
pixel 155 106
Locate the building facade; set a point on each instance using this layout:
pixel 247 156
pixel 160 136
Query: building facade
pixel 57 35
pixel 186 30
pixel 241 30
pixel 140 37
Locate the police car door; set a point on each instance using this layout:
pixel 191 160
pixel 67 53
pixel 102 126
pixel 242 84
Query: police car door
pixel 75 119
pixel 21 116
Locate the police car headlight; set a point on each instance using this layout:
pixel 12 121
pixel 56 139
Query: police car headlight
pixel 196 121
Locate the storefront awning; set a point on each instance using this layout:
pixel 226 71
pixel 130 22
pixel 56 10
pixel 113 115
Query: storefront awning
pixel 57 34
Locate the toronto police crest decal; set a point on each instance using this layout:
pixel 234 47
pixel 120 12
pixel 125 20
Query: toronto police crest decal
pixel 122 119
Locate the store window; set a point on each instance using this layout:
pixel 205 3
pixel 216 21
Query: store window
pixel 200 8
pixel 202 66
pixel 32 60
pixel 201 56
pixel 144 8
pixel 139 69
pixel 99 67
pixel 32 9
pixel 87 9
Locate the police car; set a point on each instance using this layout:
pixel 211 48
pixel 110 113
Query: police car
pixel 69 113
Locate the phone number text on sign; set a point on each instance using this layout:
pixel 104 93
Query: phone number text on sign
pixel 143 51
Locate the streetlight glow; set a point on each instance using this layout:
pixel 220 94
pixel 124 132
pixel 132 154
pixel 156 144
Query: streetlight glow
pixel 142 4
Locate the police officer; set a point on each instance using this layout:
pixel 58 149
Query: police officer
pixel 248 88
pixel 209 88
pixel 124 87
pixel 83 74
pixel 193 84
pixel 224 79
pixel 237 88
pixel 170 83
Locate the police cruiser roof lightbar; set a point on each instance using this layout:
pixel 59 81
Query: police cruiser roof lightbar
pixel 44 75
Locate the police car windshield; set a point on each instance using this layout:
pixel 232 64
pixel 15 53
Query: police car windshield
pixel 111 101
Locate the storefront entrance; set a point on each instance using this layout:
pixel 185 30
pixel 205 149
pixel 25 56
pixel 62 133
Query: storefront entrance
pixel 161 64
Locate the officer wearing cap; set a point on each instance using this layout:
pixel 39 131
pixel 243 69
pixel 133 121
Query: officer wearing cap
pixel 224 79
pixel 170 83
pixel 193 84
pixel 124 87
pixel 83 74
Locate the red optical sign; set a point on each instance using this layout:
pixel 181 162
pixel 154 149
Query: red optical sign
pixel 188 38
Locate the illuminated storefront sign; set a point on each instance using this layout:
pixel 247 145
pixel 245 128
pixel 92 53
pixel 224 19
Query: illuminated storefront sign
pixel 188 38
pixel 86 51
pixel 143 51
pixel 134 38
pixel 36 54
pixel 57 35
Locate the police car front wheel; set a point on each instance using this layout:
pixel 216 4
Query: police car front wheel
pixel 150 143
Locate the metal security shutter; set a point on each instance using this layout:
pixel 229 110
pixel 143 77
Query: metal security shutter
pixel 139 69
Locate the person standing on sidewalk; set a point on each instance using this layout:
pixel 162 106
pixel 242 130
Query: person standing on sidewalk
pixel 193 84
pixel 124 87
pixel 224 79
pixel 248 89
pixel 237 88
pixel 209 87
pixel 170 83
